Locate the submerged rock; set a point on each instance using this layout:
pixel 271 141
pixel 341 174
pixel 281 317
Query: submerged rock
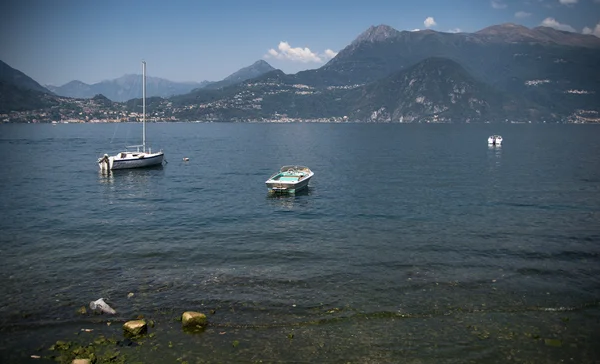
pixel 191 319
pixel 81 361
pixel 135 328
pixel 553 342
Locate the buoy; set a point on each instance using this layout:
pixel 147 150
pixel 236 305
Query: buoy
pixel 185 159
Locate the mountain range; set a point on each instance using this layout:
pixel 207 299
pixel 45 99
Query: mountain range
pixel 519 73
pixel 501 72
pixel 129 86
pixel 125 88
pixel 433 90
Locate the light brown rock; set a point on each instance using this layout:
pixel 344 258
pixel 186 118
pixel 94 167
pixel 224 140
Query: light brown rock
pixel 81 361
pixel 135 327
pixel 193 319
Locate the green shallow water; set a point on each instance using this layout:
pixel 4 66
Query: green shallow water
pixel 340 336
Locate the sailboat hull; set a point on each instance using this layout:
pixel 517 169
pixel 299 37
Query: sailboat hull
pixel 128 160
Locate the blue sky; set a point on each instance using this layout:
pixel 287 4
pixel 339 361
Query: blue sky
pixel 57 41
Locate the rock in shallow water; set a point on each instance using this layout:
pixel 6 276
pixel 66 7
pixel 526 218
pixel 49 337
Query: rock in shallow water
pixel 81 361
pixel 135 328
pixel 191 319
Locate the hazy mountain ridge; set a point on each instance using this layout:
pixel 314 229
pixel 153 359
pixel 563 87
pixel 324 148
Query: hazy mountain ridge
pixel 129 86
pixel 544 35
pixel 126 87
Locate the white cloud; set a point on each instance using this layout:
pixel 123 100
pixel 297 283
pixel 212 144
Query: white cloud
pixel 552 23
pixel 305 55
pixel 429 22
pixel 595 31
pixel 415 30
pixel 455 30
pixel 498 4
pixel 568 2
pixel 522 14
pixel 329 53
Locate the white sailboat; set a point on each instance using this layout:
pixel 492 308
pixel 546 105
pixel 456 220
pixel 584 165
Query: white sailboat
pixel 140 157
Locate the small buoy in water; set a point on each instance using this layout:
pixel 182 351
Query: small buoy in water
pixel 185 159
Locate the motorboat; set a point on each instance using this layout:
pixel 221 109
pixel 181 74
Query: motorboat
pixel 136 156
pixel 495 140
pixel 289 179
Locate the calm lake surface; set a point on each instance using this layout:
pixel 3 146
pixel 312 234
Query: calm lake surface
pixel 414 243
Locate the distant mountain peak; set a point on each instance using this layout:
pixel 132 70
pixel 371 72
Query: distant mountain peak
pixel 99 97
pixel 377 33
pixel 256 69
pixel 76 82
pixel 262 63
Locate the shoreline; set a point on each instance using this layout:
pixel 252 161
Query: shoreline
pixel 542 336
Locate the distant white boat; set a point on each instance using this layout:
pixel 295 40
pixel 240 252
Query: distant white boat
pixel 289 179
pixel 140 157
pixel 495 140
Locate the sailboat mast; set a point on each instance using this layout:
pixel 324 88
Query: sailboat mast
pixel 144 105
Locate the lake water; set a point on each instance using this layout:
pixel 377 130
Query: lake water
pixel 414 243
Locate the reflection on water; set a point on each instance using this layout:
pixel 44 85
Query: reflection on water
pixel 135 175
pixel 495 148
pixel 495 155
pixel 302 192
pixel 288 200
pixel 134 190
